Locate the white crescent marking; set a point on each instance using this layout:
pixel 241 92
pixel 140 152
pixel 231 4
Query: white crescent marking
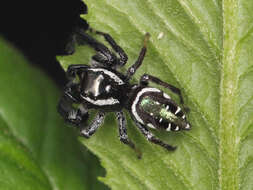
pixel 169 127
pixel 104 102
pixel 187 126
pixel 151 126
pixel 133 107
pixel 110 74
pixel 178 110
pixel 166 96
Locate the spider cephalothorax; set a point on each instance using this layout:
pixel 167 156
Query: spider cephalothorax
pixel 100 86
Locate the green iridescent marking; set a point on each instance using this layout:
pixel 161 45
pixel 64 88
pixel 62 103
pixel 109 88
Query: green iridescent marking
pixel 167 115
pixel 158 111
pixel 150 106
pixel 145 101
pixel 171 117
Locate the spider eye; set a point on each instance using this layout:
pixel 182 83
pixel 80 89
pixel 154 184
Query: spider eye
pixel 108 88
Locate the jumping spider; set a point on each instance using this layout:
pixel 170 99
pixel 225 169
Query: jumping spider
pixel 100 86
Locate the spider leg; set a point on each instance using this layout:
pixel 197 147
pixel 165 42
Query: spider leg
pixel 146 78
pixel 123 56
pixel 74 116
pixel 72 90
pixel 74 70
pixel 131 70
pixel 123 133
pixel 103 56
pixel 150 137
pixel 87 132
pixel 79 25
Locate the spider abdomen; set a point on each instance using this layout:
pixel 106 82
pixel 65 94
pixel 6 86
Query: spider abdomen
pixel 157 110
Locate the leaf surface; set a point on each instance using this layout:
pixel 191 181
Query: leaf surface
pixel 204 47
pixel 37 150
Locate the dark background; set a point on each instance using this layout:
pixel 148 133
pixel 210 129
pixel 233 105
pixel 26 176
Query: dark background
pixel 41 29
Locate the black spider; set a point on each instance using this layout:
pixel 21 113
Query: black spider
pixel 100 86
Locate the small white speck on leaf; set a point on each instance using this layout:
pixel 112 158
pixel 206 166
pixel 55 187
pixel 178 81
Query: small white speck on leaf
pixel 160 35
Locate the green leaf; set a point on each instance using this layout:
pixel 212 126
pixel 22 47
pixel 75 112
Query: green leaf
pixel 204 47
pixel 37 150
